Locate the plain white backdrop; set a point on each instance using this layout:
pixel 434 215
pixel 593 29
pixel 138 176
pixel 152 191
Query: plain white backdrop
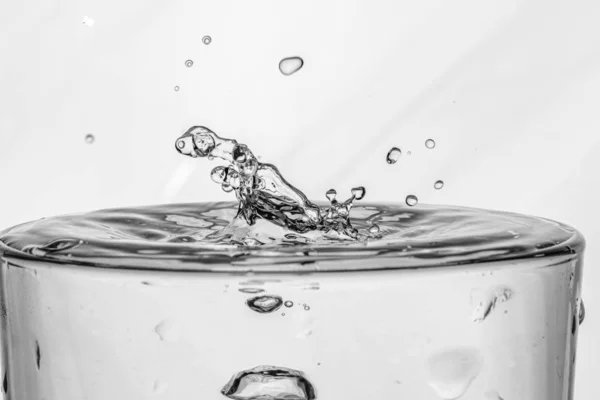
pixel 508 89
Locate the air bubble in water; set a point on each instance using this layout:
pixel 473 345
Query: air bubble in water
pixel 167 330
pixel 89 138
pixel 290 65
pixel 393 155
pixel 265 304
pixel 374 228
pixel 452 371
pixel 288 304
pixel 331 193
pixel 267 382
pixel 189 63
pixel 206 39
pixel 88 21
pixel 438 185
pixel 359 192
pixel 412 200
pixel 485 303
pixel 176 88
pixel 430 143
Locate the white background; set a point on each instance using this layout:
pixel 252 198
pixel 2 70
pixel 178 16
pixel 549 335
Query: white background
pixel 508 89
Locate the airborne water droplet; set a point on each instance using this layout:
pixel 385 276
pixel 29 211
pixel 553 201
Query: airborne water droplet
pixel 89 138
pixel 206 40
pixel 269 383
pixel 167 330
pixel 430 143
pixel 88 21
pixel 265 304
pixel 438 185
pixel 306 307
pixel 176 88
pixel 331 193
pixel 393 155
pixel 189 63
pixel 452 371
pixel 412 200
pixel 288 303
pixel 290 65
pixel 359 192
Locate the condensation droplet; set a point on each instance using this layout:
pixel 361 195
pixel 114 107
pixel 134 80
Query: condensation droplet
pixel 288 303
pixel 331 193
pixel 359 192
pixel 393 155
pixel 167 330
pixel 290 65
pixel 451 372
pixel 206 40
pixel 412 200
pixel 176 88
pixel 430 143
pixel 267 382
pixel 265 304
pixel 486 302
pixel 89 138
pixel 374 228
pixel 88 21
pixel 438 185
pixel 189 63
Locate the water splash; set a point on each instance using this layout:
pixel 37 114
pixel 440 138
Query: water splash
pixel 176 88
pixel 269 383
pixel 451 372
pixel 393 155
pixel 262 191
pixel 290 65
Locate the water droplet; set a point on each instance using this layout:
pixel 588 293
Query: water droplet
pixel 452 371
pixel 430 143
pixel 374 228
pixel 306 307
pixel 38 355
pixel 283 314
pixel 492 395
pixel 581 312
pixel 226 188
pixel 264 304
pixel 412 200
pixel 331 193
pixel 89 138
pixel 218 174
pixel 438 185
pixel 88 21
pixel 159 387
pixel 168 331
pixel 204 144
pixel 269 383
pixel 176 88
pixel 290 65
pixel 409 153
pixel 189 63
pixel 359 192
pixel 393 155
pixel 251 290
pixel 206 40
pixel 288 304
pixel 485 303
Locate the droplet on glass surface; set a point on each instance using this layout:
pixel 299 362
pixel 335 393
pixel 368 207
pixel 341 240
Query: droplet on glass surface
pixel 206 40
pixel 189 63
pixel 89 138
pixel 430 143
pixel 393 155
pixel 88 21
pixel 451 372
pixel 485 303
pixel 306 307
pixel 359 192
pixel 290 65
pixel 267 382
pixel 167 330
pixel 438 185
pixel 265 304
pixel 412 200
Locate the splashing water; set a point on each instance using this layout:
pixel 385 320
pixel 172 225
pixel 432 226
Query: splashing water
pixel 264 193
pixel 412 200
pixel 290 65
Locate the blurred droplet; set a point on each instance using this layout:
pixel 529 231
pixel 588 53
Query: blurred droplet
pixel 89 138
pixel 409 153
pixel 412 200
pixel 189 63
pixel 430 143
pixel 288 304
pixel 438 185
pixel 88 21
pixel 393 155
pixel 176 88
pixel 290 65
pixel 206 40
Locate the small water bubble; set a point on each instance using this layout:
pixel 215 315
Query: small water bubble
pixel 189 63
pixel 374 228
pixel 167 330
pixel 288 303
pixel 359 192
pixel 438 185
pixel 265 304
pixel 331 193
pixel 451 372
pixel 176 88
pixel 204 144
pixel 412 200
pixel 430 143
pixel 267 382
pixel 393 155
pixel 206 40
pixel 88 21
pixel 290 65
pixel 89 138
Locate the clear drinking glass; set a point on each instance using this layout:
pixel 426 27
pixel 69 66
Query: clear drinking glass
pixel 356 322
